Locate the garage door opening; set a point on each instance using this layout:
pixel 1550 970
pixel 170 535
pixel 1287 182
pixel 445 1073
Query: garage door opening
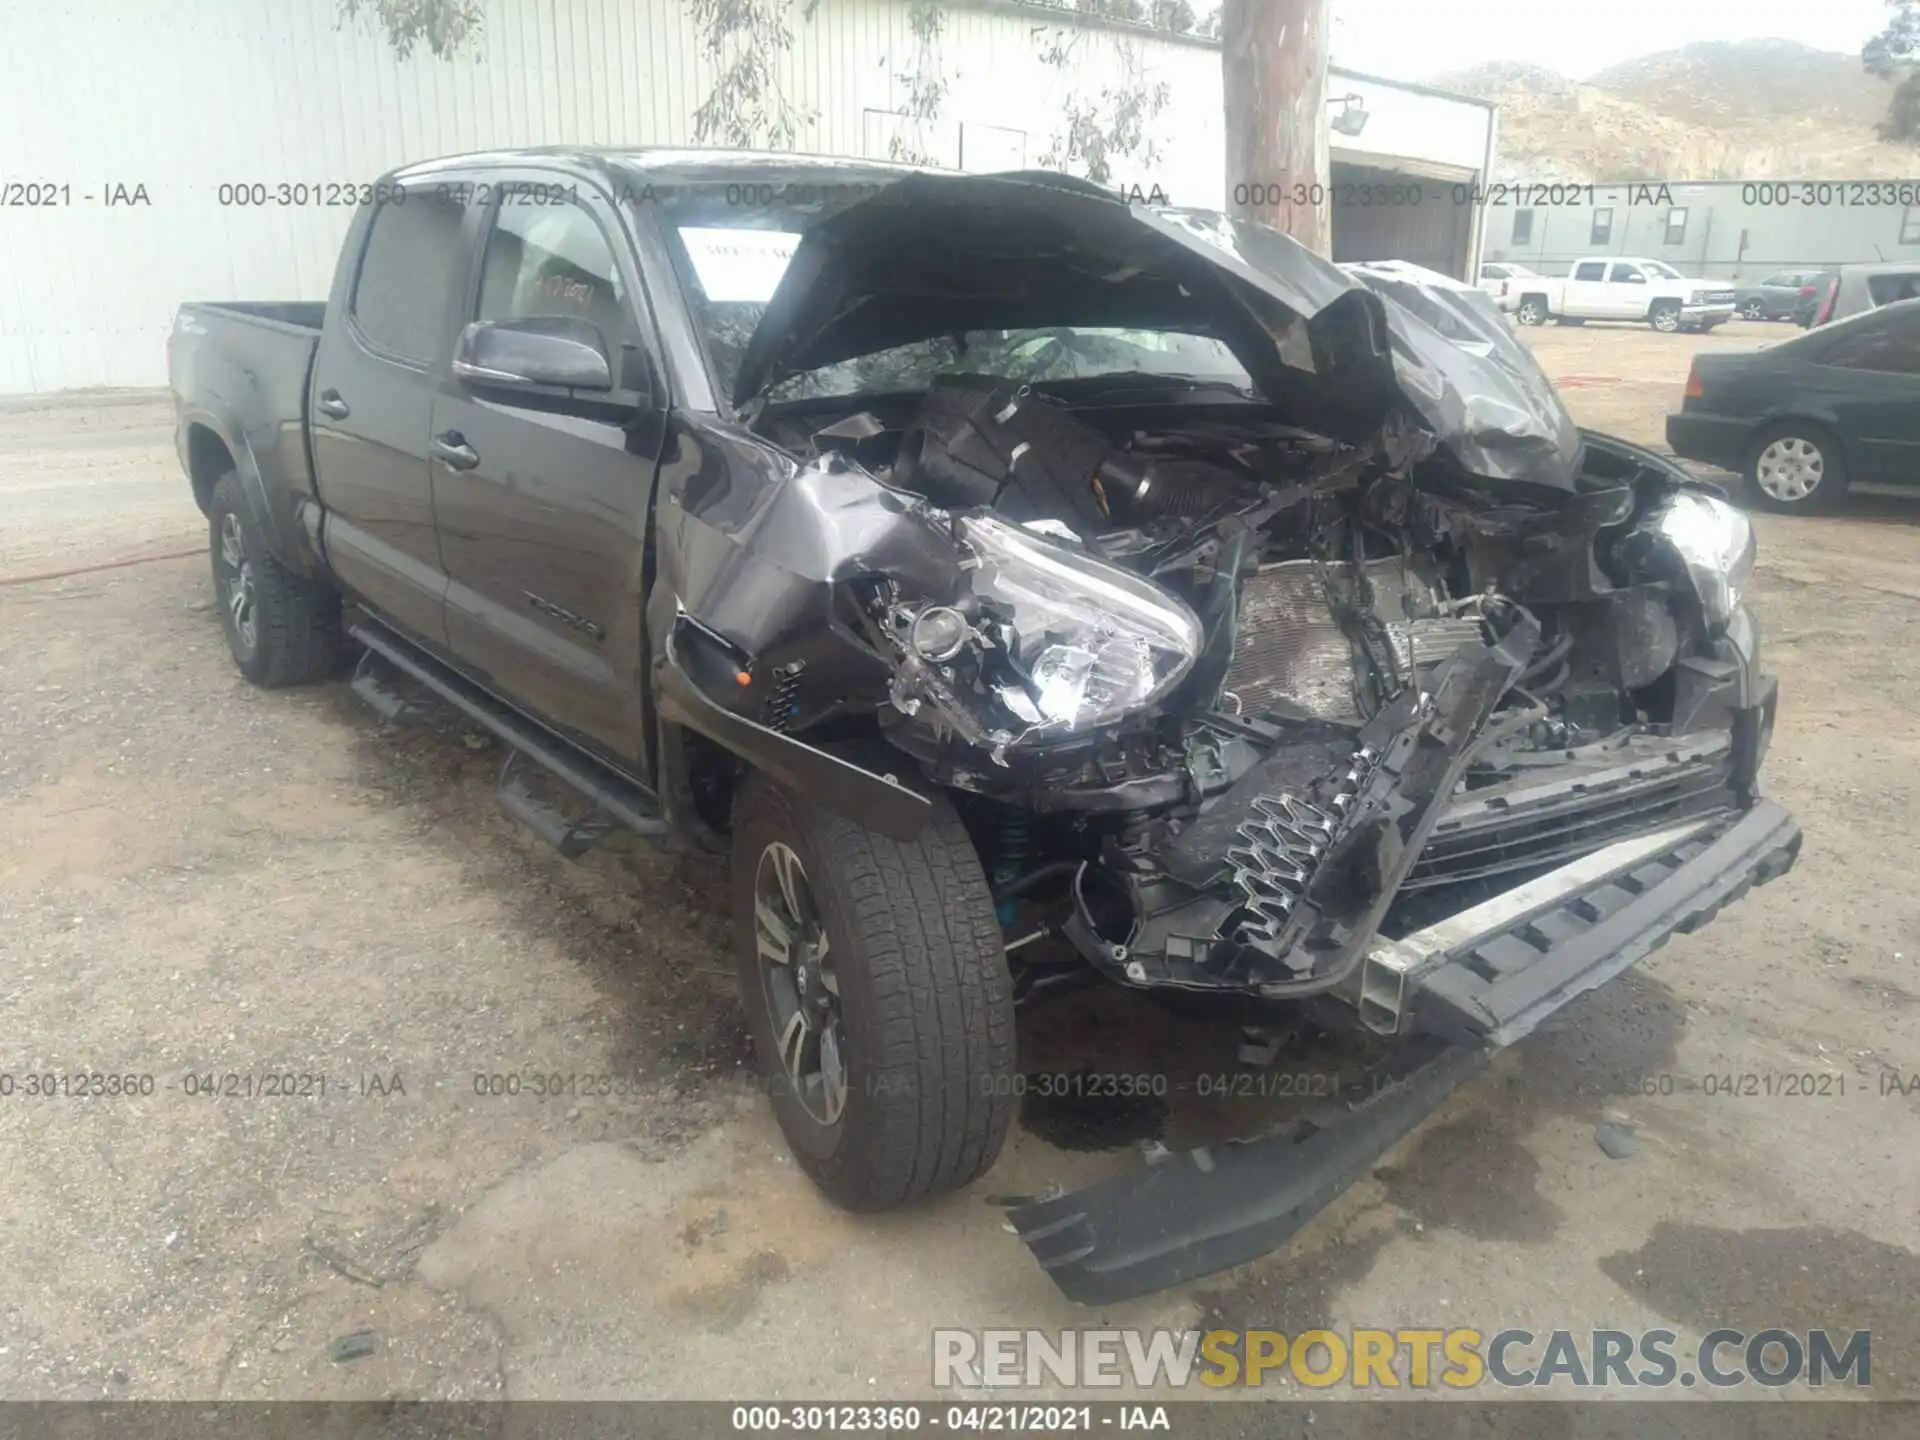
pixel 1390 214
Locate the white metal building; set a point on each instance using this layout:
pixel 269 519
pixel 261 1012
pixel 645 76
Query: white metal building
pixel 125 127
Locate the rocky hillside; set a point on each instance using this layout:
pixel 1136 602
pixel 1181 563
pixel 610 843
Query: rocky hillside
pixel 1721 110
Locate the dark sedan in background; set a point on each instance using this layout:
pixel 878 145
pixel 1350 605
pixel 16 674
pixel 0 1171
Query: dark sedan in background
pixel 1813 295
pixel 1804 419
pixel 1773 298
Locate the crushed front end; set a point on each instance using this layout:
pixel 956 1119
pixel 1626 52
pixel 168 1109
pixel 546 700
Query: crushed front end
pixel 1352 674
pixel 1353 734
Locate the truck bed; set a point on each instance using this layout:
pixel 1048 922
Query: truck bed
pixel 238 372
pixel 297 314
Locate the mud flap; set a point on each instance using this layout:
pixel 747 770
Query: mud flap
pixel 1205 1210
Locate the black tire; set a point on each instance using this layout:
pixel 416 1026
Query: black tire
pixel 1532 310
pixel 1791 435
pixel 924 999
pixel 287 632
pixel 1665 317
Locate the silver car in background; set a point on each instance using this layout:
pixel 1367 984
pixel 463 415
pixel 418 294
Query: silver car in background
pixel 1856 289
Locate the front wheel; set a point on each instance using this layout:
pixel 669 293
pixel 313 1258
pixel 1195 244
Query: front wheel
pixel 1665 318
pixel 877 990
pixel 1753 310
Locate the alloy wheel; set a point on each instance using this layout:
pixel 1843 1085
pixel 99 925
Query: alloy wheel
pixel 1753 310
pixel 238 581
pixel 800 990
pixel 1790 469
pixel 1530 314
pixel 1666 321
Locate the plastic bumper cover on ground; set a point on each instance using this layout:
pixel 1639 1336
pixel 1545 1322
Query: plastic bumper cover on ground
pixel 1205 1210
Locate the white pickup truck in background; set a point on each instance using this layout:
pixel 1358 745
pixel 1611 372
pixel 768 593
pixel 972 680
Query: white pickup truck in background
pixel 1621 288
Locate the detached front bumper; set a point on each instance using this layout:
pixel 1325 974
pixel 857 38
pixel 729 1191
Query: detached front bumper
pixel 1458 990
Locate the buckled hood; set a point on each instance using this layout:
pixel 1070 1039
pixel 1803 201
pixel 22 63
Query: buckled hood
pixel 943 255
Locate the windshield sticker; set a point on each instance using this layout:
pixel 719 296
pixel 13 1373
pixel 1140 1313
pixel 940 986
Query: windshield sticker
pixel 738 266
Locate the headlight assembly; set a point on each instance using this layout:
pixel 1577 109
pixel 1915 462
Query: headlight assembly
pixel 1044 643
pixel 1713 543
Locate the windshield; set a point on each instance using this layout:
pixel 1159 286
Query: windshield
pixel 730 258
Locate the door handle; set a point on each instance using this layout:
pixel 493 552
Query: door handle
pixel 332 406
pixel 450 448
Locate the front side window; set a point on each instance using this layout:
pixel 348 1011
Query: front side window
pixel 1629 274
pixel 400 295
pixel 554 261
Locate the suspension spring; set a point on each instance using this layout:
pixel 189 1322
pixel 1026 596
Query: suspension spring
pixel 1012 845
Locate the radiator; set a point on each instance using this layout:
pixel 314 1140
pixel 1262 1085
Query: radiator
pixel 1289 648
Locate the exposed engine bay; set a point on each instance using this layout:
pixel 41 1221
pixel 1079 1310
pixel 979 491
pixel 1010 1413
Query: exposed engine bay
pixel 1218 693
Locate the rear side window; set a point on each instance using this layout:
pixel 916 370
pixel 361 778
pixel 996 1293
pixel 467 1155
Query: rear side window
pixel 554 260
pixel 1887 344
pixel 1590 270
pixel 400 296
pixel 1885 289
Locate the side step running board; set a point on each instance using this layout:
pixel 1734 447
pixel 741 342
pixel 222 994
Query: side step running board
pixel 613 797
pixel 370 684
pixel 572 838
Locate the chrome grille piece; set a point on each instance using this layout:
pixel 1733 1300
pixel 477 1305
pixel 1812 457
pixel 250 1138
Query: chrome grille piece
pixel 1289 648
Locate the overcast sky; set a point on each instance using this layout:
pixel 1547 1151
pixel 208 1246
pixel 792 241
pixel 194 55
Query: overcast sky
pixel 1415 39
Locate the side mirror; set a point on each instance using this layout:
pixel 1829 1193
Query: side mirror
pixel 539 352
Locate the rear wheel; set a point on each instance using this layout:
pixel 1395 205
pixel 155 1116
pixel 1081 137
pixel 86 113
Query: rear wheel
pixel 1796 468
pixel 1532 311
pixel 282 628
pixel 877 990
pixel 1665 317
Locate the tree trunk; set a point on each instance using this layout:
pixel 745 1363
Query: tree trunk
pixel 1273 61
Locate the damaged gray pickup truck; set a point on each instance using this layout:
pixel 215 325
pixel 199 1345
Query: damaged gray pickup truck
pixel 1024 587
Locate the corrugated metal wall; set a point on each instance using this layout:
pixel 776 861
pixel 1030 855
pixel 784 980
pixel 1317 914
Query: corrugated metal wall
pixel 1785 225
pixel 172 102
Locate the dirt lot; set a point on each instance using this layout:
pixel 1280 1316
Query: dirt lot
pixel 201 879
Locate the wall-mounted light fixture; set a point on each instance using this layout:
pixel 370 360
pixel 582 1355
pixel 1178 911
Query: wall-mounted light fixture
pixel 1352 118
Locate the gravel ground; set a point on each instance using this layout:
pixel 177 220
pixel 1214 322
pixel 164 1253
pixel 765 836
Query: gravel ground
pixel 203 880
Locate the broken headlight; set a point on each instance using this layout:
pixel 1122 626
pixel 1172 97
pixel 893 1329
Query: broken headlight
pixel 1713 543
pixel 1043 642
